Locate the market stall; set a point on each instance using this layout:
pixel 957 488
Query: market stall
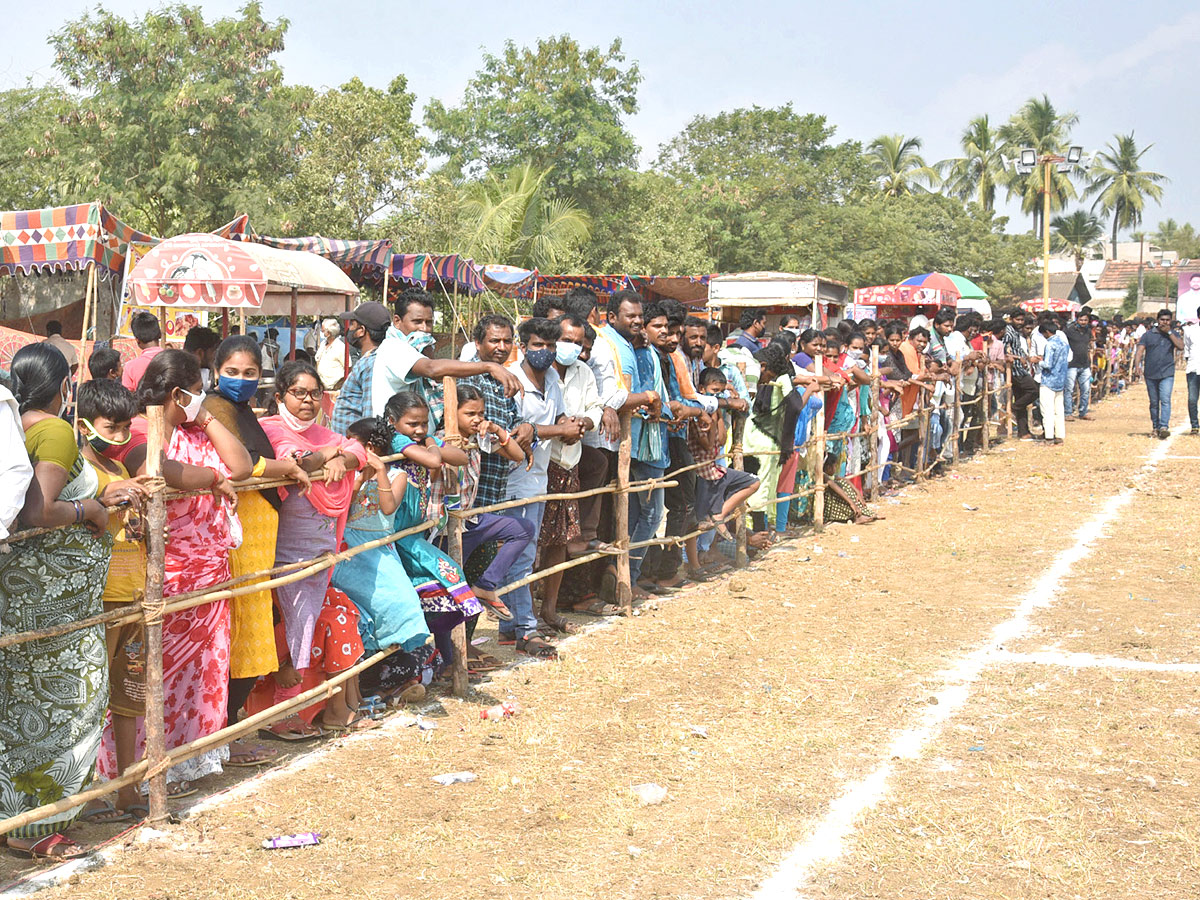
pixel 818 301
pixel 897 301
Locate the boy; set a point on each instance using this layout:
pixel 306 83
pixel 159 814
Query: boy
pixel 719 490
pixel 106 408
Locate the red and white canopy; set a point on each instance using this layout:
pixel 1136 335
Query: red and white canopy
pixel 1053 304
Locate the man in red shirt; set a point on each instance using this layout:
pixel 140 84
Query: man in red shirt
pixel 146 332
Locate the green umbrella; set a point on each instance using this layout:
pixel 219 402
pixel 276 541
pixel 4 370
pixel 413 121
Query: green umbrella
pixel 967 289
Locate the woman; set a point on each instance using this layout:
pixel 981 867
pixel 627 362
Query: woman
pixel 238 367
pixel 53 691
pixel 763 432
pixel 201 455
pixel 310 523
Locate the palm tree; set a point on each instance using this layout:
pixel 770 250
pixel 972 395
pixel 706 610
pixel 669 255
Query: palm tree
pixel 898 165
pixel 1076 233
pixel 974 175
pixel 1040 126
pixel 1120 184
pixel 1167 234
pixel 514 220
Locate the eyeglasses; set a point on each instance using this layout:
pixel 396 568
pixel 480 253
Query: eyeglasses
pixel 301 394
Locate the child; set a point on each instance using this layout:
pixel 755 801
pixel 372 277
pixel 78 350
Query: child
pixel 719 490
pixel 106 408
pixel 478 435
pixel 842 500
pixel 446 597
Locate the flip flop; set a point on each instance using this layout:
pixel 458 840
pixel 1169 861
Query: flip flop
pixel 135 808
pixel 44 848
pixel 257 755
pixel 362 723
pixel 105 814
pixel 536 647
pixel 177 790
pixel 303 733
pixel 559 626
pixel 598 608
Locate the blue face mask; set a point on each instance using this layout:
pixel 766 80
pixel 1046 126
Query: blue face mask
pixel 567 352
pixel 238 390
pixel 540 360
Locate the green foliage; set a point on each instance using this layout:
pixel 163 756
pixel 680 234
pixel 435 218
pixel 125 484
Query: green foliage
pixel 179 120
pixel 898 166
pixel 648 229
pixel 1040 126
pixel 1077 233
pixel 1154 284
pixel 975 174
pixel 1183 239
pixel 1121 186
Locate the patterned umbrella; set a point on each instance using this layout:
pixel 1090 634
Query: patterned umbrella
pixel 1053 304
pixel 964 287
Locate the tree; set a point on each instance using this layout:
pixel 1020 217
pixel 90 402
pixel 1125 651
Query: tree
pixel 1180 238
pixel 1121 186
pixel 898 165
pixel 1039 126
pixel 179 121
pixel 358 156
pixel 975 174
pixel 558 107
pixel 650 227
pixel 39 162
pixel 1077 233
pixel 513 219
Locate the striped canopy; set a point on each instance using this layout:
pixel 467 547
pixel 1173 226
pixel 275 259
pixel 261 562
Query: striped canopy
pixel 65 238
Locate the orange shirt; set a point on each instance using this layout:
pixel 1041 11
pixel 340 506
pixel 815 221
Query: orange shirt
pixel 916 364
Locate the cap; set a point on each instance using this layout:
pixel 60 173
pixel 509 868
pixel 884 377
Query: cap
pixel 372 314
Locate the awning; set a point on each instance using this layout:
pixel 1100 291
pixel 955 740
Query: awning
pixel 901 295
pixel 65 238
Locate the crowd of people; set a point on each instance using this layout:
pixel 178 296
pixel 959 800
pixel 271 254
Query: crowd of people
pixel 537 410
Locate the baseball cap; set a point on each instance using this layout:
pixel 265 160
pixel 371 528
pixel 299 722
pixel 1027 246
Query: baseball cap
pixel 371 314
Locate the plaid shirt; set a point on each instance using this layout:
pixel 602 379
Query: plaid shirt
pixel 493 468
pixel 708 455
pixel 352 400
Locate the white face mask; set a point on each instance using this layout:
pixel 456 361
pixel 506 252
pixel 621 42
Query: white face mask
pixel 192 408
pixel 66 399
pixel 567 352
pixel 854 354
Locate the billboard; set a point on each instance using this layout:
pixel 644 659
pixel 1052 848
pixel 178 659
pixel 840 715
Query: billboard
pixel 1187 308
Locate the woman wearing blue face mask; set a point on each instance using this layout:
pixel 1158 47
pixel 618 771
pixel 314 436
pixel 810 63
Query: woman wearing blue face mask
pixel 237 366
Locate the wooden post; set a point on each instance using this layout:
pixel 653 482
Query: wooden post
pixel 738 460
pixel 1009 421
pixel 956 430
pixel 152 605
pixel 88 301
pixel 819 474
pixel 242 320
pixel 624 596
pixel 387 271
pixel 225 323
pixel 922 433
pixel 295 297
pixel 877 422
pixel 984 437
pixel 458 672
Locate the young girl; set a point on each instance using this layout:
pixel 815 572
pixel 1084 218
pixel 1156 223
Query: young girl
pixel 843 503
pixel 446 597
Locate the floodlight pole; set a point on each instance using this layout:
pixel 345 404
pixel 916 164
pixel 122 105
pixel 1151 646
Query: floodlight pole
pixel 1046 162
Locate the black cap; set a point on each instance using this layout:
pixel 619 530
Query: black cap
pixel 371 314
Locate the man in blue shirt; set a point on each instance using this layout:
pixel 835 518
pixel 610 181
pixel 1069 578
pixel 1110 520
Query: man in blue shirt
pixel 753 325
pixel 1156 350
pixel 365 327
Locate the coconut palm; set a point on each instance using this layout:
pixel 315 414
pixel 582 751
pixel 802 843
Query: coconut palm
pixel 975 174
pixel 1120 184
pixel 1076 233
pixel 1167 234
pixel 514 220
pixel 1038 125
pixel 898 165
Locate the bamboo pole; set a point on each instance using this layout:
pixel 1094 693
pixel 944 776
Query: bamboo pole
pixel 957 414
pixel 984 436
pixel 294 321
pixel 819 474
pixel 1010 419
pixel 152 609
pixel 459 677
pixel 88 301
pixel 876 416
pixel 624 596
pixel 741 533
pixel 922 434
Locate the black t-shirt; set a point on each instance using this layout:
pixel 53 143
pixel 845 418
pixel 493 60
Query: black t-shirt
pixel 1080 339
pixel 1159 354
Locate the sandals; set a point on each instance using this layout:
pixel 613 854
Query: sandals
pixel 557 626
pixel 105 814
pixel 245 757
pixel 598 608
pixel 484 663
pixel 177 790
pixel 44 849
pixel 594 546
pixel 493 605
pixel 536 647
pixel 293 728
pixel 361 723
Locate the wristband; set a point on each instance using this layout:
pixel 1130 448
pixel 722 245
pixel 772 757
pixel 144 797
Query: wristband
pixel 78 507
pixel 260 467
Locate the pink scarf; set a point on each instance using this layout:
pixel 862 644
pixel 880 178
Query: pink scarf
pixel 330 499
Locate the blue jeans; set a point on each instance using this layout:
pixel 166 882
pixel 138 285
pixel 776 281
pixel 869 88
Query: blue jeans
pixel 646 511
pixel 1082 376
pixel 520 601
pixel 1193 383
pixel 1159 391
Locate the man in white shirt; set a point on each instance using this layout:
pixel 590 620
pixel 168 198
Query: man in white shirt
pixel 1191 368
pixel 541 405
pixel 16 471
pixel 398 364
pixel 331 355
pixel 1187 308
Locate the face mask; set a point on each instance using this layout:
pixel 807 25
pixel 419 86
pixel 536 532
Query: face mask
pixel 854 354
pixel 294 423
pixel 355 340
pixel 238 390
pixel 795 332
pixel 192 408
pixel 101 444
pixel 566 353
pixel 540 360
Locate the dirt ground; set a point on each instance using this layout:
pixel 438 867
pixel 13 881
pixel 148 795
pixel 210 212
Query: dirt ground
pixel 754 700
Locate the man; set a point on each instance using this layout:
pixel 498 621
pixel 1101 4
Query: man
pixel 399 366
pixel 366 327
pixel 1079 336
pixel 1187 308
pixel 1155 357
pixel 947 368
pixel 541 407
pixel 1053 364
pixel 54 338
pixel 331 355
pixel 146 332
pixel 1024 387
pixel 548 307
pixel 1191 359
pixel 958 347
pixel 493 336
pixel 753 325
pixel 202 343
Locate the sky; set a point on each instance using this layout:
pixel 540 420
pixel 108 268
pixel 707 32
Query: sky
pixel 870 67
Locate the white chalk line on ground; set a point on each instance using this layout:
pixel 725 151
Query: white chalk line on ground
pixel 827 841
pixel 1071 660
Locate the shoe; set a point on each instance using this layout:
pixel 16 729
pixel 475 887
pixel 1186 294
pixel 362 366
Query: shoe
pixel 1194 431
pixel 1163 434
pixel 1070 418
pixel 1086 418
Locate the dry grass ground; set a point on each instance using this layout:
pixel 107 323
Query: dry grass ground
pixel 799 670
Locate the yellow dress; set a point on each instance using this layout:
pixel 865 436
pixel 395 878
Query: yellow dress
pixel 252 631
